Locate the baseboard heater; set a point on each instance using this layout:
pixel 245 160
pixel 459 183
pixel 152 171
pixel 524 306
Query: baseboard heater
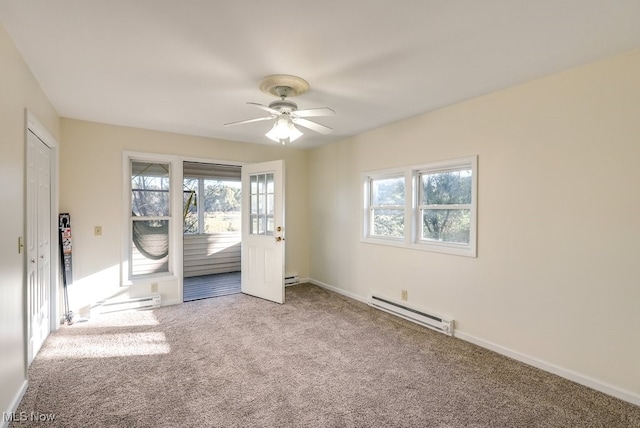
pixel 434 322
pixel 135 303
pixel 291 280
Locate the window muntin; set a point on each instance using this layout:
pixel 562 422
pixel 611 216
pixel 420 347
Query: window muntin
pixel 387 206
pixel 150 216
pixel 190 205
pixel 444 205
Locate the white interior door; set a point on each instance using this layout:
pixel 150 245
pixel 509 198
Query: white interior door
pixel 38 242
pixel 263 230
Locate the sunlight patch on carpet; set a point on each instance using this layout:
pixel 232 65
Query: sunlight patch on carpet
pixel 106 345
pixel 129 318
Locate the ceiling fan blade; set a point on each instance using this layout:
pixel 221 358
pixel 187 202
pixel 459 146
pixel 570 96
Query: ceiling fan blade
pixel 265 108
pixel 323 111
pixel 312 125
pixel 248 121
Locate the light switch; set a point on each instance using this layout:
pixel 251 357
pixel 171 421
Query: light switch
pixel 97 231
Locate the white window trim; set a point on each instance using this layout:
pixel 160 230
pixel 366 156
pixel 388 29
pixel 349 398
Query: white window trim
pixel 412 238
pixel 175 216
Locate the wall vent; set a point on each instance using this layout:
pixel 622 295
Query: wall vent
pixel 137 303
pixel 291 280
pixel 434 322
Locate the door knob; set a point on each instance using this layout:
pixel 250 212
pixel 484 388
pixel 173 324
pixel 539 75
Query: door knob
pixel 33 260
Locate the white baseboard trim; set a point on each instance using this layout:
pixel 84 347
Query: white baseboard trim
pixel 592 383
pixel 587 381
pixel 14 404
pixel 339 291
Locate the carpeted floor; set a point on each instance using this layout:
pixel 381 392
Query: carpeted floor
pixel 320 360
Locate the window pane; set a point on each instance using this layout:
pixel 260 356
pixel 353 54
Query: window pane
pixel 270 184
pixel 388 223
pixel 446 225
pixel 253 229
pixel 149 247
pixel 254 204
pixel 190 205
pixel 387 191
pixel 270 204
pixel 270 225
pixel 150 189
pixel 222 199
pixel 444 188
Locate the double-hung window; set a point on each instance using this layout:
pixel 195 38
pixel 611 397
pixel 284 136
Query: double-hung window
pixel 386 206
pixel 445 213
pixel 150 218
pixel 428 207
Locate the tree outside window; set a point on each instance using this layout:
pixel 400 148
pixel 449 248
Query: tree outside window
pixel 429 207
pixel 445 205
pixel 211 205
pixel 387 206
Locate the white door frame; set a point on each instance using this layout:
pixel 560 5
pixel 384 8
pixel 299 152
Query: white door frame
pixel 33 124
pixel 238 164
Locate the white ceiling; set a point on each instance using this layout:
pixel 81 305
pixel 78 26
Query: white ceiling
pixel 190 66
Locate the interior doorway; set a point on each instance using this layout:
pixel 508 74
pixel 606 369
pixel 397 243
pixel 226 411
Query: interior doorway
pixel 211 230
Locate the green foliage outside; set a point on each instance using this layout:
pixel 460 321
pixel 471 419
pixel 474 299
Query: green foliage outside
pixel 444 190
pixel 447 188
pixel 388 195
pixel 221 204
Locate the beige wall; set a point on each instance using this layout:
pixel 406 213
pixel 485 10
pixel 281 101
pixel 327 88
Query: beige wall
pixel 91 191
pixel 556 280
pixel 18 91
pixel 556 277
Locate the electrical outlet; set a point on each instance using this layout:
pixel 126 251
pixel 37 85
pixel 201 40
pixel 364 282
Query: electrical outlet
pixel 154 287
pixel 404 295
pixel 97 231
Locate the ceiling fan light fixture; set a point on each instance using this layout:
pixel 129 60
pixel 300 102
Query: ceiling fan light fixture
pixel 285 112
pixel 284 131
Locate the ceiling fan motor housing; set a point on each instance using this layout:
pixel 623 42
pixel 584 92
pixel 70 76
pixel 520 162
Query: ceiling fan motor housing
pixel 284 106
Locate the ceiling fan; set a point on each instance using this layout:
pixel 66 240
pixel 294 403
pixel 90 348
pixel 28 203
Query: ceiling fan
pixel 285 112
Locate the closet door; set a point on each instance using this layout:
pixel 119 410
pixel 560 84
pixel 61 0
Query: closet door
pixel 38 243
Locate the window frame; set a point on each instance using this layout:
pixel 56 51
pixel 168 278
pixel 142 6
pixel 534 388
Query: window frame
pixel 413 209
pixel 200 201
pixel 447 247
pixel 367 180
pixel 175 208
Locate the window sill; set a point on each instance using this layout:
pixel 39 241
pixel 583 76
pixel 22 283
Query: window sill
pixel 146 279
pixel 444 248
pixel 393 242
